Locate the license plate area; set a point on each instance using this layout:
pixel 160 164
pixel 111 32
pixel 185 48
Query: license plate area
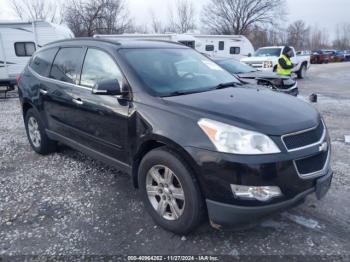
pixel 322 186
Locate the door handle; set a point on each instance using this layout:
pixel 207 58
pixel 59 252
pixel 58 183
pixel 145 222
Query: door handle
pixel 42 91
pixel 77 101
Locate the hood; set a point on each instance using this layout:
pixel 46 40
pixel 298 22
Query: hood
pixel 261 110
pixel 258 59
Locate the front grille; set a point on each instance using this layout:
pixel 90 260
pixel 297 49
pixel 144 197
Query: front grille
pixel 255 64
pixel 311 165
pixel 303 139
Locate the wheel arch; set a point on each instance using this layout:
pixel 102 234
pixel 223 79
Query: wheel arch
pixel 26 105
pixel 306 63
pixel 157 142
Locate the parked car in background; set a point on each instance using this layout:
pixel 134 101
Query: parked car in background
pixel 320 57
pixel 339 56
pixel 246 73
pixel 335 55
pixel 196 142
pixel 266 59
pixel 347 55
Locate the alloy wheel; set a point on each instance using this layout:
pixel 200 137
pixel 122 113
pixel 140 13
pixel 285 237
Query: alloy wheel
pixel 165 192
pixel 34 132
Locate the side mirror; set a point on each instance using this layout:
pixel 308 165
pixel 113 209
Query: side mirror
pixel 250 55
pixel 108 87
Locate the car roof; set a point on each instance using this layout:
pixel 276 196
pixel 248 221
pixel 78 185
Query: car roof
pixel 118 43
pixel 268 47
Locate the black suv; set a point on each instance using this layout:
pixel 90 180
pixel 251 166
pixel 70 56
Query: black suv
pixel 195 140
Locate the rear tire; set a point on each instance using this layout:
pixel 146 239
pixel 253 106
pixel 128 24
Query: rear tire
pixel 36 134
pixel 175 203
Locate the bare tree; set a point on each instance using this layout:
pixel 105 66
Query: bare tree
pixel 298 35
pixel 342 40
pixel 182 18
pixel 86 18
pixel 30 10
pixel 319 38
pixel 156 24
pixel 265 36
pixel 238 16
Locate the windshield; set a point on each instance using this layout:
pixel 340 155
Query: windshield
pixel 167 71
pixel 235 67
pixel 263 52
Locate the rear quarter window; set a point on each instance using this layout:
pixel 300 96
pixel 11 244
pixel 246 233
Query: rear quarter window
pixel 41 62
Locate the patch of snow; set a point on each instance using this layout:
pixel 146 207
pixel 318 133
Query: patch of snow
pixel 303 221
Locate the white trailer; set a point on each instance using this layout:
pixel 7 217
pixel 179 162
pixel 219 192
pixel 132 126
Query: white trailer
pixel 19 40
pixel 185 39
pixel 225 46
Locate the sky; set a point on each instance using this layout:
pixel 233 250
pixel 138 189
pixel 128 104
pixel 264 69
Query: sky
pixel 324 13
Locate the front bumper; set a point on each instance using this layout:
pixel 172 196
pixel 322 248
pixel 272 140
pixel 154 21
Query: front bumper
pixel 227 215
pixel 216 173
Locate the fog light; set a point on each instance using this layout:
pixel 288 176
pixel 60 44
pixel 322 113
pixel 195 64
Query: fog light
pixel 264 193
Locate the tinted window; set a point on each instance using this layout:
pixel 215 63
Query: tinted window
pixel 41 63
pixel 165 71
pixel 235 50
pixel 221 45
pixel 235 67
pixel 98 65
pixel 66 66
pixel 209 48
pixel 264 52
pixel 24 48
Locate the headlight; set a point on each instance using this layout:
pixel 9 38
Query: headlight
pixel 267 64
pixel 234 140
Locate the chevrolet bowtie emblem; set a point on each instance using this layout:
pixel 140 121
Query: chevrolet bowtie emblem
pixel 323 147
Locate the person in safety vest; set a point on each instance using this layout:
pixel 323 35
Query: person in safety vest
pixel 285 65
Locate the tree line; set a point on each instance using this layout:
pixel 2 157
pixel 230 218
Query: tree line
pixel 259 20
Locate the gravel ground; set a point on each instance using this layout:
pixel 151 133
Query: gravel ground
pixel 69 204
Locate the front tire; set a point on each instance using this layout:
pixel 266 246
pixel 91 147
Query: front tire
pixel 302 72
pixel 36 134
pixel 170 193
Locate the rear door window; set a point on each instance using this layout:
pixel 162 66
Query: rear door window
pixel 41 62
pixel 98 66
pixel 24 48
pixel 67 65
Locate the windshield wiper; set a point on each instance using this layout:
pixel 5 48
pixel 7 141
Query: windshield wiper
pixel 181 93
pixel 228 84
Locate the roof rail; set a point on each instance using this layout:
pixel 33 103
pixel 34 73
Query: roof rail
pixel 86 39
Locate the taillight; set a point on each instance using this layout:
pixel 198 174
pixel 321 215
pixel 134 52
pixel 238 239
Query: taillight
pixel 18 79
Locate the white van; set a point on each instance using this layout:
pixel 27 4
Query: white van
pixel 19 40
pixel 224 46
